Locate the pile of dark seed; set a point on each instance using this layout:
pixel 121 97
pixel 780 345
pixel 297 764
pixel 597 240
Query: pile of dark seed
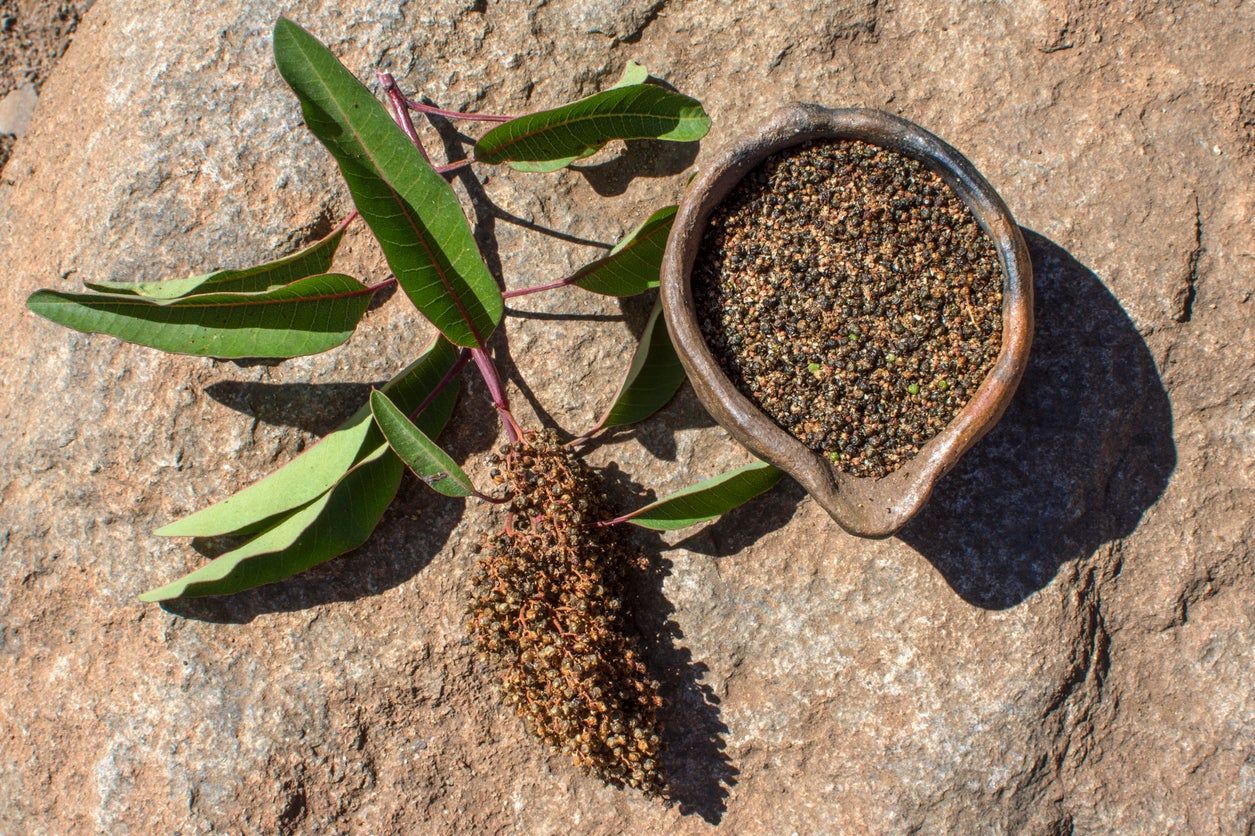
pixel 850 293
pixel 549 611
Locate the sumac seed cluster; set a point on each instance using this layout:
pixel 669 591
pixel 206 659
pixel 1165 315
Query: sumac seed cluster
pixel 549 612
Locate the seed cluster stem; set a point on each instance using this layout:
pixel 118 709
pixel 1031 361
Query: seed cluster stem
pixel 496 390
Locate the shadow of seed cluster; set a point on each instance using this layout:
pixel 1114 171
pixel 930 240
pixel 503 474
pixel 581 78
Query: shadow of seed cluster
pixel 549 610
pixel 850 293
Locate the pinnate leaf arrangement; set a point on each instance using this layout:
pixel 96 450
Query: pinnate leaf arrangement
pixel 550 611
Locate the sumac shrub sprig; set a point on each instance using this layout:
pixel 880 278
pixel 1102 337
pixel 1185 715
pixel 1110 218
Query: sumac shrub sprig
pixel 549 610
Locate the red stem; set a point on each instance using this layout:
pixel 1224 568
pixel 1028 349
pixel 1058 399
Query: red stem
pixel 585 438
pixel 524 291
pixel 344 224
pixel 482 361
pixel 448 167
pixel 496 390
pixel 397 104
pixel 456 114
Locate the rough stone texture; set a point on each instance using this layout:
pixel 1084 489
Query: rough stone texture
pixel 16 110
pixel 33 35
pixel 1063 640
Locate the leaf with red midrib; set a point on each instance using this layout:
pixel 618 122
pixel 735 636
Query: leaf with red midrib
pixel 412 211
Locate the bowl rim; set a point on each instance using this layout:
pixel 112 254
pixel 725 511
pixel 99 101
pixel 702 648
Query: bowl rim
pixel 865 506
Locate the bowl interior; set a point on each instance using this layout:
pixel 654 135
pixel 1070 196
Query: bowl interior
pixel 867 506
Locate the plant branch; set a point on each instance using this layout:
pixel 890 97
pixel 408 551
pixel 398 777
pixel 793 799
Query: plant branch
pixel 525 291
pixel 400 113
pixel 496 390
pixel 585 437
pixel 344 224
pixel 478 494
pixel 483 362
pixel 456 114
pixel 454 166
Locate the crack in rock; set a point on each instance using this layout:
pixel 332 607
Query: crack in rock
pixel 1184 298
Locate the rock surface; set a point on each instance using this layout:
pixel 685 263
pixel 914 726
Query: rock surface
pixel 1064 640
pixel 33 35
pixel 16 110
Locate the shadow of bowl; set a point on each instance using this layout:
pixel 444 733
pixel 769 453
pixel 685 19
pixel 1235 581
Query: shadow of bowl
pixel 865 506
pixel 1084 450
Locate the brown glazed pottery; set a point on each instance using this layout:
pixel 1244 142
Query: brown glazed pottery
pixel 865 506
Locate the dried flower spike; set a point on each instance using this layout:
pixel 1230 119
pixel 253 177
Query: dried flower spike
pixel 549 611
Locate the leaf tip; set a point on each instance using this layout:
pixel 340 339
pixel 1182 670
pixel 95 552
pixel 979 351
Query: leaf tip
pixel 35 302
pixel 286 30
pixel 379 402
pixel 152 596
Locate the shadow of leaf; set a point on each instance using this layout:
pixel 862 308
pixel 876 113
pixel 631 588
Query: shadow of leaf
pixel 699 773
pixel 314 407
pixel 639 158
pixel 414 529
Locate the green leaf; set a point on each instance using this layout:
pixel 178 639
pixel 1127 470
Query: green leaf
pixel 652 379
pixel 315 471
pixel 310 261
pixel 305 317
pixel 707 500
pixel 550 139
pixel 634 265
pixel 633 73
pixel 338 521
pixel 547 166
pixel 412 210
pixel 420 453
